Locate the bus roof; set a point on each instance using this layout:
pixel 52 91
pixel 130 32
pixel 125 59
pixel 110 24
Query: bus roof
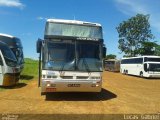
pixel 151 56
pixel 6 35
pixel 73 22
pixel 11 41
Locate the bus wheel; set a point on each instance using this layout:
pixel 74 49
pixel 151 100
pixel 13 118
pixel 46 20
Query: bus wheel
pixel 141 74
pixel 124 72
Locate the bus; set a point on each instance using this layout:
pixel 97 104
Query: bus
pixel 112 65
pixel 9 69
pixel 15 45
pixel 72 56
pixel 144 66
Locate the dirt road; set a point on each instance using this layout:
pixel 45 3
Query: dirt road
pixel 120 94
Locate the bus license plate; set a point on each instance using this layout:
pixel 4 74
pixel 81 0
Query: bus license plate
pixel 74 85
pixel 50 89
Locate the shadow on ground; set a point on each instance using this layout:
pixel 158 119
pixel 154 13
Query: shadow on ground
pixel 26 77
pixel 144 78
pixel 112 71
pixel 102 96
pixel 18 85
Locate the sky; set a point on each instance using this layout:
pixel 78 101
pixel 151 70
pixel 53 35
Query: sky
pixel 26 18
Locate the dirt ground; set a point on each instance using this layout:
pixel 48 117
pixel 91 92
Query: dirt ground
pixel 121 94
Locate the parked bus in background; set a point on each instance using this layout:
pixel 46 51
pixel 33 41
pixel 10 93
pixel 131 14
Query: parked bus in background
pixel 144 66
pixel 9 69
pixel 112 65
pixel 15 45
pixel 72 53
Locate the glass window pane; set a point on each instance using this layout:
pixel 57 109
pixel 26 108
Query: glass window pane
pixel 73 30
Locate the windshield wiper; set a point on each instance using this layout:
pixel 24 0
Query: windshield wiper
pixel 86 65
pixel 10 59
pixel 61 70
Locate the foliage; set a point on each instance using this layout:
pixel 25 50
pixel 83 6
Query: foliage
pixel 111 56
pixel 157 50
pixel 132 33
pixel 147 48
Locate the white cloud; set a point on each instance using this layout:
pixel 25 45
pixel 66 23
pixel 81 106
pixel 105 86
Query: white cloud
pixel 129 7
pixel 12 3
pixel 132 7
pixel 44 18
pixel 41 18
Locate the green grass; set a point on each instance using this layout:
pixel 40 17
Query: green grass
pixel 30 70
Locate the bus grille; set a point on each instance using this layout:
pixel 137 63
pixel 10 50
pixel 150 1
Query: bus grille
pixel 82 77
pixel 67 77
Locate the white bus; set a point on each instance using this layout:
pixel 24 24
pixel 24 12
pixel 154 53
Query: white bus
pixel 112 65
pixel 72 53
pixel 9 71
pixel 144 66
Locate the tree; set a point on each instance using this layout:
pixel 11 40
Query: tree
pixel 147 48
pixel 157 50
pixel 132 33
pixel 111 56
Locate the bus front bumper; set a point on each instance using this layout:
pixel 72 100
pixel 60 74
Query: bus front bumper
pixel 10 79
pixel 154 76
pixel 70 86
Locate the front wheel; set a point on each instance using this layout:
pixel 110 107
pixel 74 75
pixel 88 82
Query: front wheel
pixel 141 74
pixel 124 72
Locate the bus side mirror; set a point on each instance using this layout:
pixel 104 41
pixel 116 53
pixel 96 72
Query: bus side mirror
pixel 104 52
pixel 145 67
pixel 39 45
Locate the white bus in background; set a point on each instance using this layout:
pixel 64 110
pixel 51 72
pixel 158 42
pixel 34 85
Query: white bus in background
pixel 72 55
pixel 9 69
pixel 112 65
pixel 144 66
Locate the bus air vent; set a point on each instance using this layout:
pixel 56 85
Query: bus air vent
pixel 67 77
pixel 82 77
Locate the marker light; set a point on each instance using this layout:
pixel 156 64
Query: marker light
pixel 48 85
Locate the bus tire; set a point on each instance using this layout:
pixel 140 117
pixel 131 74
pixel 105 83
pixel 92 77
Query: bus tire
pixel 141 74
pixel 124 72
pixel 43 93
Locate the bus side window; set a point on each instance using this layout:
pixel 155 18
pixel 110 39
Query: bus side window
pixel 1 61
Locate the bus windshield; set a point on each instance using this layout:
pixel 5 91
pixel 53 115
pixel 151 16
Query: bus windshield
pixel 61 29
pixel 9 57
pixel 89 56
pixel 59 56
pixel 16 46
pixel 154 67
pixel 66 55
pixel 19 55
